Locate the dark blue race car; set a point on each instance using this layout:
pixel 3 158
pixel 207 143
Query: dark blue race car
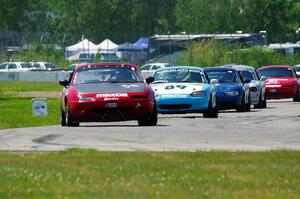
pixel 232 91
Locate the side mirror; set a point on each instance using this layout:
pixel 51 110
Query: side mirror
pixel 149 80
pixel 247 81
pixel 214 81
pixel 263 78
pixel 64 82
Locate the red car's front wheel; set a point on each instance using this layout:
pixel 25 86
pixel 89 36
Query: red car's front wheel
pixel 150 120
pixel 66 118
pixel 297 96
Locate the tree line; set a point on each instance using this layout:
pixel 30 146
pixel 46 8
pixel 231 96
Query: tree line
pixel 127 20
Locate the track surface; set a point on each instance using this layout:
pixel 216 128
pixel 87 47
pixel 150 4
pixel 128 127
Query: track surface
pixel 277 127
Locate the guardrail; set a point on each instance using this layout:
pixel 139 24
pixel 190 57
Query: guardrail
pixel 34 76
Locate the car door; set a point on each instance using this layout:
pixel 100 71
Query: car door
pixel 244 85
pixel 12 67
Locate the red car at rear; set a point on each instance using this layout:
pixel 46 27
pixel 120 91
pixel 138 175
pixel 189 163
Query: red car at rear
pixel 107 92
pixel 281 82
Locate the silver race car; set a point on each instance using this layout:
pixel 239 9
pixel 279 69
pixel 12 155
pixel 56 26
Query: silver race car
pixel 257 86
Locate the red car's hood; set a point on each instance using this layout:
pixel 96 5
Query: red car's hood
pixel 281 81
pixel 110 88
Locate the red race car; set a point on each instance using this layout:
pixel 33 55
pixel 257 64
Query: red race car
pixel 107 92
pixel 281 82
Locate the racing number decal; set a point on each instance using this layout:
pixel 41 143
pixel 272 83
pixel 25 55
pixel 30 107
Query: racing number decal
pixel 170 87
pixel 181 86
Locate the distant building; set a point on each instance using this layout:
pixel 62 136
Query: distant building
pixel 169 44
pixel 287 48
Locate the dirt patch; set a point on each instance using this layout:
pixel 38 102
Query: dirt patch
pixel 35 94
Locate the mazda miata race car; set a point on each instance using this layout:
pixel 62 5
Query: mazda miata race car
pixel 184 89
pixel 257 85
pixel 281 82
pixel 107 92
pixel 232 91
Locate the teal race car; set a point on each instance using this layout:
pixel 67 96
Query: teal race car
pixel 184 89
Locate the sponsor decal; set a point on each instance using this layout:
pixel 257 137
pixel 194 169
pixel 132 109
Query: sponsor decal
pixel 180 70
pixel 112 95
pixel 129 86
pixel 173 96
pixel 275 81
pixel 111 99
pixel 273 86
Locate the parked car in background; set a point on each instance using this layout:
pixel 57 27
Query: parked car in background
pixel 184 89
pixel 105 92
pixel 297 69
pixel 14 67
pixel 281 82
pixel 232 91
pixel 69 70
pixel 149 69
pixel 43 66
pixel 257 86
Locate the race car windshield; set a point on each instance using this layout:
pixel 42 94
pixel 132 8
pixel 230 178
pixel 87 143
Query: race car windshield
pixel 248 75
pixel 297 68
pixel 179 75
pixel 223 76
pixel 107 75
pixel 276 72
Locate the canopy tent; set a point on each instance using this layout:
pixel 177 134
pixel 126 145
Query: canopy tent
pixel 142 42
pixel 128 47
pixel 82 46
pixel 106 45
pixel 131 53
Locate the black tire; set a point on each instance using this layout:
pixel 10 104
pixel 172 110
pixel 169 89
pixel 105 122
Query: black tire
pixel 297 96
pixel 68 118
pixel 149 121
pixel 62 117
pixel 242 107
pixel 248 106
pixel 211 112
pixel 260 102
pixel 264 104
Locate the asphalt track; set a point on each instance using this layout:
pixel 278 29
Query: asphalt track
pixel 277 127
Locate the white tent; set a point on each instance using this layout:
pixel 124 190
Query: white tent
pixel 83 46
pixel 106 46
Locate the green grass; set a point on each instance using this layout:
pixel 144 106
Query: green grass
pixel 16 112
pixel 92 174
pixel 29 86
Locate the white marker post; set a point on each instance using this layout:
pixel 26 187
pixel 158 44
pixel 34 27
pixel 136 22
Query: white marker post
pixel 39 107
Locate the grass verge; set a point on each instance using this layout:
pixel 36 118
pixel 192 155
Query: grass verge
pixel 29 86
pixel 79 173
pixel 16 112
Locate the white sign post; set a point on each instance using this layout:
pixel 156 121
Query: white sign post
pixel 39 107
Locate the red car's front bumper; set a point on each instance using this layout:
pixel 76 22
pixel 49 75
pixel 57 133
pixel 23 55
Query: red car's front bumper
pixel 122 110
pixel 278 91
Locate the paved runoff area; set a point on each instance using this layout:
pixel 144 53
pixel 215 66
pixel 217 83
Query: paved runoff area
pixel 277 127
